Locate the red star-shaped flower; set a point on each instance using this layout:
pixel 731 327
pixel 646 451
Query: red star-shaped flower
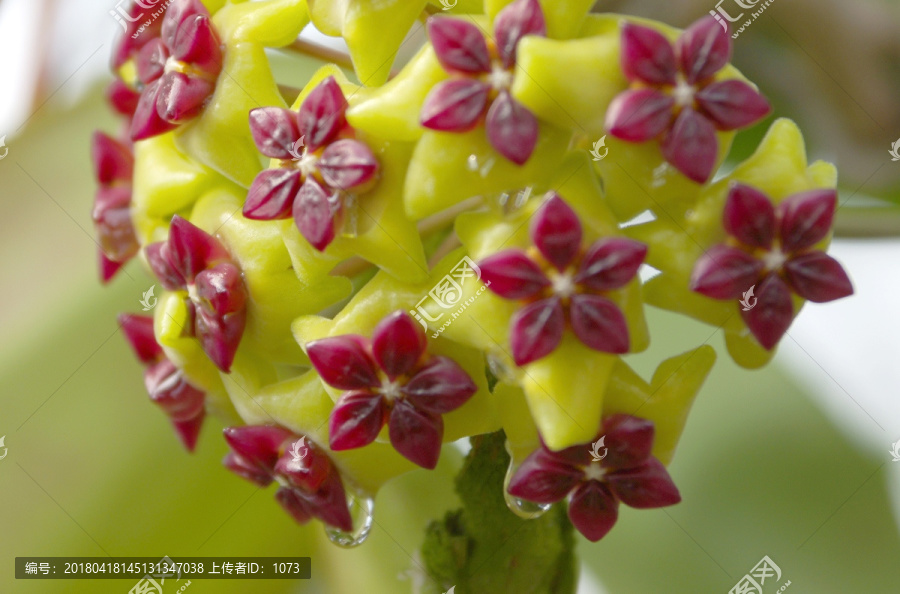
pixel 183 403
pixel 177 71
pixel 770 248
pixel 674 95
pixel 319 160
pixel 562 283
pixel 138 32
pixel 113 168
pixel 194 261
pixel 627 473
pixel 390 380
pixel 483 71
pixel 311 486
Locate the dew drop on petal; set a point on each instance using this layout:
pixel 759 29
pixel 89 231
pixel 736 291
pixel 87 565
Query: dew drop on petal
pixel 362 509
pixel 527 510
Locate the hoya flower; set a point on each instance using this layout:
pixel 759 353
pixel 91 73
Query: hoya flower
pixel 390 380
pixel 138 33
pixel 113 169
pixel 562 284
pixel 310 485
pixel 194 261
pixel 122 98
pixel 177 70
pixel 772 250
pixel 482 72
pixel 317 160
pixel 627 473
pixel 675 97
pixel 183 403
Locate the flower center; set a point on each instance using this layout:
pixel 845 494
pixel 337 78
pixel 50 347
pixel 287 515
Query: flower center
pixel 683 93
pixel 563 284
pixel 307 164
pixel 774 259
pixel 192 293
pixel 390 390
pixel 500 78
pixel 594 472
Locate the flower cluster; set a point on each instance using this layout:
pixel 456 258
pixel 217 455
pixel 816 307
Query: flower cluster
pixel 113 170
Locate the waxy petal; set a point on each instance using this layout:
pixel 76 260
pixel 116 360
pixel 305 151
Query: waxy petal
pixel 150 62
pixel 640 114
pixel 314 214
pixel 189 430
pixel 307 472
pixel 178 17
pixel 593 510
pixel 646 486
pixel 192 249
pixel 329 503
pixel 806 219
pixel 274 130
pixel 536 330
pixel 158 257
pixel 147 122
pixel 439 387
pixel 610 263
pixel 169 390
pixel 556 232
pixel 113 223
pixel 416 434
pixel 515 21
pixel 724 272
pixel 198 44
pixel 343 362
pixel 113 161
pixel 629 441
pixel 108 268
pixel 691 146
pixel 182 97
pixel 220 335
pixel 294 504
pixel 647 56
pixel 703 49
pixel 513 275
pixel 511 128
pixel 749 216
pixel 398 342
pixel 356 420
pixel 542 478
pixel 138 330
pixel 347 163
pixel 321 114
pixel 244 469
pixel 732 104
pixel 459 45
pixel 454 105
pixel 221 289
pixel 773 313
pixel 272 194
pixel 122 98
pixel 599 323
pixel 258 446
pixel 817 277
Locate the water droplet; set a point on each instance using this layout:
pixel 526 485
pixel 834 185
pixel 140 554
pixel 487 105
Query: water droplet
pixel 362 510
pixel 527 510
pixel 349 213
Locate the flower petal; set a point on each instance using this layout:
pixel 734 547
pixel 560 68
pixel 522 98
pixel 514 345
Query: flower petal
pixel 198 44
pixel 817 277
pixel 691 146
pixel 593 510
pixel 259 446
pixel 347 164
pixel 511 128
pixel 150 62
pixel 272 194
pixel 640 114
pixel 178 15
pixel 543 478
pixel 646 486
pixel 416 434
pixel 189 430
pixel 138 331
pixel 724 272
pixel 556 231
pixel 773 313
pixel 314 214
pixel 169 390
pixel 749 216
pixel 162 266
pixel 122 98
pixel 513 275
pixel 274 131
pixel 321 114
pixel 182 97
pixel 356 420
pixel 147 122
pixel 343 362
pixel 191 248
pixel 515 21
pixel 329 503
pixel 220 335
pixel 599 323
pixel 647 56
pixel 439 387
pixel 220 289
pixel 629 440
pixel 536 330
pixel 806 219
pixel 454 105
pixel 611 263
pixel 459 45
pixel 732 104
pixel 308 471
pixel 294 504
pixel 113 161
pixel 703 49
pixel 398 343
pixel 244 469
